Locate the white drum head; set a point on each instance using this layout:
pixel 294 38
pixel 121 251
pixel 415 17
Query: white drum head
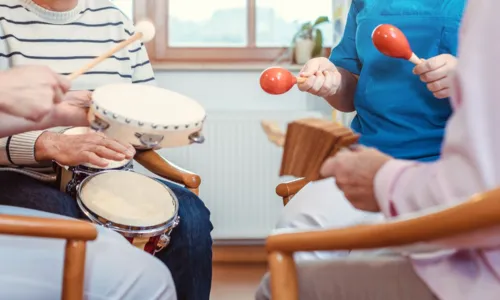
pixel 112 164
pixel 128 198
pixel 149 105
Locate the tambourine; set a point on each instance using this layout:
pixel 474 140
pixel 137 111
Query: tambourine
pixel 146 116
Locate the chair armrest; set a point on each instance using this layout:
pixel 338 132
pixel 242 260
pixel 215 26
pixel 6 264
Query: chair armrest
pixel 48 228
pixel 482 211
pixel 75 232
pixel 287 190
pixel 156 164
pixel 290 188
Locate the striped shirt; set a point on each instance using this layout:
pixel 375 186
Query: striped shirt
pixel 66 41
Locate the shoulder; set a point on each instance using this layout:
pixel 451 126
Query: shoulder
pixel 357 5
pixel 106 11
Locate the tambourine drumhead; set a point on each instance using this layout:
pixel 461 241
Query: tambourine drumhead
pixel 128 198
pixel 112 164
pixel 148 104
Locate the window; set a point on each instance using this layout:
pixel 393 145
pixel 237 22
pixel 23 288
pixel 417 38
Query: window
pixel 277 21
pixel 207 24
pixel 226 30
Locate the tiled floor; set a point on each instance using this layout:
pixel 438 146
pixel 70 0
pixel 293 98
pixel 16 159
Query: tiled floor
pixel 236 281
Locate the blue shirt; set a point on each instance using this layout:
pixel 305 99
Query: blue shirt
pixel 396 113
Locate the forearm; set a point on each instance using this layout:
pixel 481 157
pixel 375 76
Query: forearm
pixel 10 125
pixel 343 100
pixel 404 187
pixel 20 149
pixel 407 190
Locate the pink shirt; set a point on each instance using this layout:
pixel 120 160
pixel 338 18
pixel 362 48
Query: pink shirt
pixel 469 164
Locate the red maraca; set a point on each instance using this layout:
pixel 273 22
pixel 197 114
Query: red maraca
pixel 277 81
pixel 390 41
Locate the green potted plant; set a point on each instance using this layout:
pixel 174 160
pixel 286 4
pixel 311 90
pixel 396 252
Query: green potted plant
pixel 308 41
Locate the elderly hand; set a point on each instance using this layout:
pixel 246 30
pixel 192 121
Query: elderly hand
pixel 354 172
pixel 72 150
pixel 323 78
pixel 31 92
pixel 437 72
pixel 72 111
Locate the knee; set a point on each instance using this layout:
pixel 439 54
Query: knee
pixel 297 216
pixel 195 220
pixel 155 280
pixel 298 210
pixel 134 274
pixel 318 204
pixel 194 215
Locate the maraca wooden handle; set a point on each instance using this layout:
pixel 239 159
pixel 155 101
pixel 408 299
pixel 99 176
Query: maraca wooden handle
pixel 414 59
pixel 101 58
pixel 301 79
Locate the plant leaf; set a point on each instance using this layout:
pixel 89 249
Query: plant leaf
pixel 318 43
pixel 306 26
pixel 320 20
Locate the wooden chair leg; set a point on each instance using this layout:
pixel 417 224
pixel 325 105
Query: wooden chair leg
pixel 74 270
pixel 284 285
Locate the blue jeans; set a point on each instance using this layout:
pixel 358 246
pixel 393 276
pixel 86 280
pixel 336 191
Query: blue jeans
pixel 188 256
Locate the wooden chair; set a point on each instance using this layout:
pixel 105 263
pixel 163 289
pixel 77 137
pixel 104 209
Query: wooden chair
pixel 482 211
pixel 156 164
pixel 75 232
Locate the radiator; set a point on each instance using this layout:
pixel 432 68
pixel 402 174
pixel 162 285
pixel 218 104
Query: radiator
pixel 239 170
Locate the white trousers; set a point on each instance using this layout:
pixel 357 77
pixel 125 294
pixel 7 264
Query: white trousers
pixel 32 268
pixel 321 205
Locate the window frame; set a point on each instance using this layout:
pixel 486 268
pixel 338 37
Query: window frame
pixel 159 51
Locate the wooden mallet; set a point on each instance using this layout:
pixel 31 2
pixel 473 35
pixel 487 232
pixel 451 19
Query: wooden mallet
pixel 145 31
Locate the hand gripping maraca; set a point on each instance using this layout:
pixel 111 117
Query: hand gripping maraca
pixel 390 41
pixel 277 80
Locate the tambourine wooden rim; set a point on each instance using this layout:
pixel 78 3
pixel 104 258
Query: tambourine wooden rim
pixel 107 112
